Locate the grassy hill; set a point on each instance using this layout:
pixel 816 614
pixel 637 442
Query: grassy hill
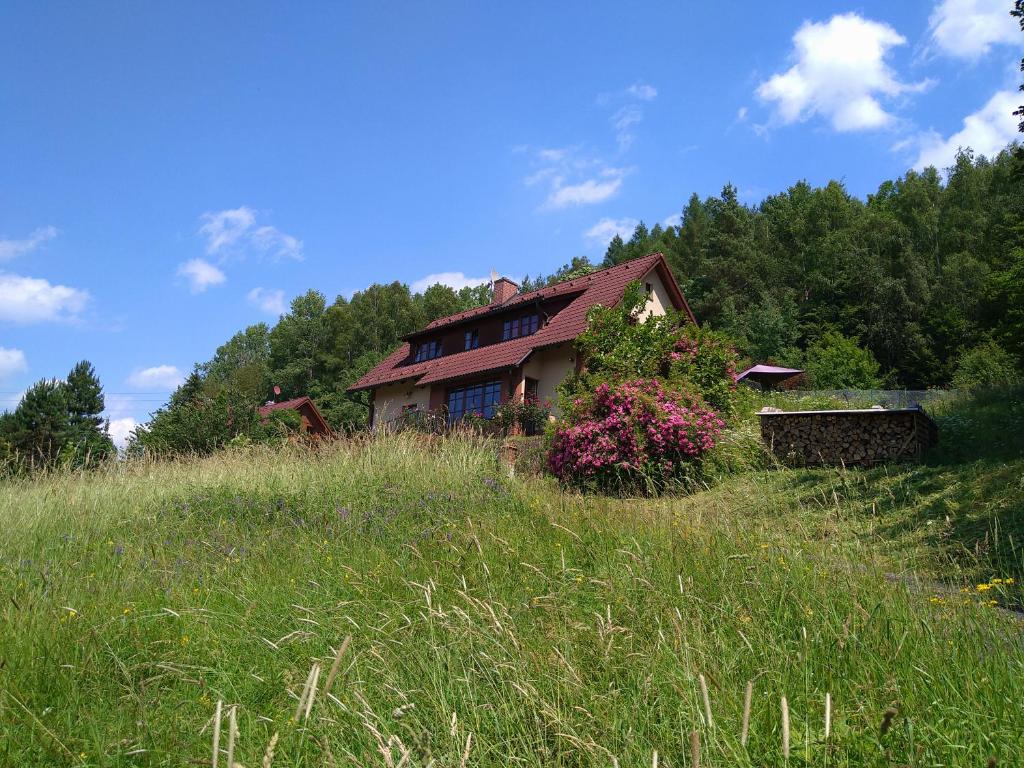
pixel 497 621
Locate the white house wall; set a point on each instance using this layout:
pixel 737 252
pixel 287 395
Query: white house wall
pixel 549 367
pixel 660 301
pixel 389 401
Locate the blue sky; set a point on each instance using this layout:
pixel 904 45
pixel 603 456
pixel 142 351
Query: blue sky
pixel 170 173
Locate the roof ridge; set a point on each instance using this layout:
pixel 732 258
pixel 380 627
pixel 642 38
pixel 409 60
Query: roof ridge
pixel 518 297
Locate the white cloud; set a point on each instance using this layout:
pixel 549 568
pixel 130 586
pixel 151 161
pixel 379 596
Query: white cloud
pixel 672 221
pixel 986 131
pixel 11 248
pixel 224 229
pixel 967 29
pixel 159 377
pixel 840 73
pixel 741 114
pixel 642 91
pixel 574 179
pixel 200 274
pixel 454 280
pixel 603 232
pixel 233 231
pixel 623 121
pixel 121 430
pixel 34 300
pixel 10 402
pixel 587 192
pixel 12 361
pixel 266 300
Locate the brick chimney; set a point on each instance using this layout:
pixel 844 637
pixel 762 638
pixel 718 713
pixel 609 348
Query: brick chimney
pixel 504 289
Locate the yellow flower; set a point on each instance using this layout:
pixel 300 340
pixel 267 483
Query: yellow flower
pixel 1009 581
pixel 184 640
pixel 127 610
pixel 996 581
pixel 983 587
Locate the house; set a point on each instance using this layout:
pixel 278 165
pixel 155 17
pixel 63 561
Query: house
pixel 312 422
pixel 519 345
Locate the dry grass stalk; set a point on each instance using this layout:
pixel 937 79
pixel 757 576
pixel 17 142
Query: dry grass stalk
pixel 785 728
pixel 312 691
pixel 707 701
pixel 216 733
pixel 305 693
pixel 268 755
pixel 694 749
pixel 465 752
pixel 232 733
pixel 748 698
pixel 336 666
pixel 654 759
pixel 828 715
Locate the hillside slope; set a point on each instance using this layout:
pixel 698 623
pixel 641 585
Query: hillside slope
pixel 503 618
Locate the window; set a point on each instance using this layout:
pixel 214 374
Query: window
pixel 520 326
pixel 483 399
pixel 428 350
pixel 472 339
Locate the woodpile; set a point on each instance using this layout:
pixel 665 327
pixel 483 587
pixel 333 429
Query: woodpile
pixel 855 437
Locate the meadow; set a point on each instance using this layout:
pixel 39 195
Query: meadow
pixel 487 620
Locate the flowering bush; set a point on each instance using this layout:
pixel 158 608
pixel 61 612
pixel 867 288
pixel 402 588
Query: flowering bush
pixel 634 436
pixel 528 415
pixel 707 362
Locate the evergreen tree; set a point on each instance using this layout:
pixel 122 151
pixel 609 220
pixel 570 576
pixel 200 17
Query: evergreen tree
pixel 87 435
pixel 38 431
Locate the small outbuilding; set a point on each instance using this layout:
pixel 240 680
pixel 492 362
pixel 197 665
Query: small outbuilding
pixel 312 422
pixel 771 376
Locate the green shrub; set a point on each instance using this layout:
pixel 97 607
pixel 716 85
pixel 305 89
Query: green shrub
pixel 835 361
pixel 985 366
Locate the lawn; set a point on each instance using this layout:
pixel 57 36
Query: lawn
pixel 497 620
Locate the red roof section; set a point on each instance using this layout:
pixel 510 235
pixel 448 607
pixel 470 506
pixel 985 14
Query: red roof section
pixel 294 405
pixel 604 287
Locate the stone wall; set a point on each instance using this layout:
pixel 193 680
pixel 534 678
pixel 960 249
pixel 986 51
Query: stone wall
pixel 854 437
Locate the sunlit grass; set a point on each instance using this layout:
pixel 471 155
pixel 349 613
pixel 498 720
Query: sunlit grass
pixel 497 621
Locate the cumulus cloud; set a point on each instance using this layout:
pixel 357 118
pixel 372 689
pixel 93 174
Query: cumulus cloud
pixel 603 232
pixel 34 300
pixel 162 377
pixel 840 74
pixel 267 300
pixel 234 232
pixel 200 274
pixel 12 361
pixel 986 131
pixel 456 280
pixel 9 249
pixel 121 429
pixel 967 29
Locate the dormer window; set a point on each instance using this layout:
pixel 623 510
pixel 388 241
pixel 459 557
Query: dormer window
pixel 472 339
pixel 520 326
pixel 428 350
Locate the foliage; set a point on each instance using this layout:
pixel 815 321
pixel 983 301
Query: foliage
pixel 635 436
pixel 926 266
pixel 837 362
pixel 529 415
pixel 57 422
pixel 985 366
pixel 617 347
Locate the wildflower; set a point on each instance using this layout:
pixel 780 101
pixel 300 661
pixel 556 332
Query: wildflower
pixel 184 641
pixel 127 610
pixel 983 587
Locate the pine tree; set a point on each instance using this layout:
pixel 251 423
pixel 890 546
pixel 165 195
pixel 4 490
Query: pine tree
pixel 39 430
pixel 87 433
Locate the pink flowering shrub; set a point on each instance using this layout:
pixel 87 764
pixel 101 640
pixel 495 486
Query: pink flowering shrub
pixel 634 436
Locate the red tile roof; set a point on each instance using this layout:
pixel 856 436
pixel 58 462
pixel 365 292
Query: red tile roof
pixel 604 287
pixel 294 405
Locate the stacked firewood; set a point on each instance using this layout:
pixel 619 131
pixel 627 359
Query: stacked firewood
pixel 847 437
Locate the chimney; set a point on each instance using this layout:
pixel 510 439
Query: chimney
pixel 504 289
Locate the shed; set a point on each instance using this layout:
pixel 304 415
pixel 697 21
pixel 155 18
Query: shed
pixel 770 376
pixel 312 422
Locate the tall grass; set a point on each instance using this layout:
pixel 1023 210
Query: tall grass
pixel 492 621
